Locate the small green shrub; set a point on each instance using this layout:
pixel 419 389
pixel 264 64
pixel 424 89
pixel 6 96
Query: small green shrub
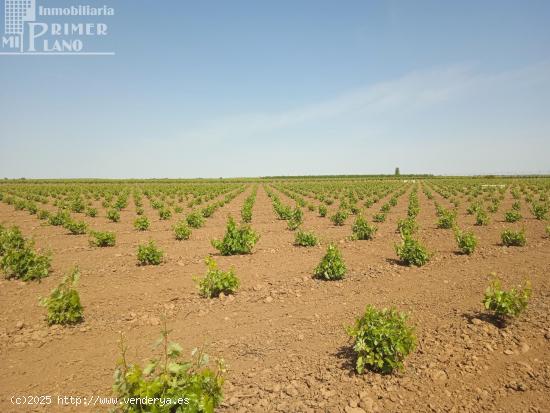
pixel 407 226
pixel 323 211
pixel 102 239
pixel 512 238
pixel 506 304
pixel 512 216
pixel 383 339
pixel 473 208
pixel 32 208
pixel 548 231
pixel 237 240
pixel 466 241
pixel 209 210
pixel 246 211
pixel 296 219
pixel 121 202
pixel 540 211
pixel 42 214
pixel 481 217
pixel 113 215
pixel 380 217
pixel 77 205
pixel 11 239
pixel 305 239
pixel 76 227
pixel 142 223
pixel 63 304
pixel 362 230
pixel 156 204
pixel 195 219
pixel 169 377
pixel 24 264
pixel 283 211
pixel 339 218
pixel 447 219
pixel 149 254
pixel 412 252
pixel 217 281
pixel 20 205
pixel 59 219
pixel 91 212
pixel 182 230
pixel 332 266
pixel 516 206
pixel 165 214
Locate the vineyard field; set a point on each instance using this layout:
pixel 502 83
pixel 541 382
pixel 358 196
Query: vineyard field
pixel 281 329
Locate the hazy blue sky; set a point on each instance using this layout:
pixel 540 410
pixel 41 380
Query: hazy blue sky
pixel 247 88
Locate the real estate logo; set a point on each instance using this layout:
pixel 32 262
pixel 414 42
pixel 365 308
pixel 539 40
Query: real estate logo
pixel 71 30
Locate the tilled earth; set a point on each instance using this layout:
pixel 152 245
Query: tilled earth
pixel 283 334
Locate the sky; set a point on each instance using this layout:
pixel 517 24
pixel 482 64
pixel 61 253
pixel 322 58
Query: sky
pixel 309 87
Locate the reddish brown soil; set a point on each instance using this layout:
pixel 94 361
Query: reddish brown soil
pixel 283 333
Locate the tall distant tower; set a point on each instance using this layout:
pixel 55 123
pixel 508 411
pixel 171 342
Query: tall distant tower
pixel 16 12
